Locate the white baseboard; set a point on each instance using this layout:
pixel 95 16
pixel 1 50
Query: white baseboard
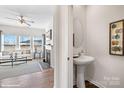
pixel 96 83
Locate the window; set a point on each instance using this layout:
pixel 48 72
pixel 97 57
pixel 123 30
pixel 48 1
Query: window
pixel 25 42
pixel 38 43
pixel 9 42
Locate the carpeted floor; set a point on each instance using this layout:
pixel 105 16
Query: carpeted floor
pixel 7 71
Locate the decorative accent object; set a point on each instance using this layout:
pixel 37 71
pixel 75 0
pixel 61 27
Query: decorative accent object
pixel 116 43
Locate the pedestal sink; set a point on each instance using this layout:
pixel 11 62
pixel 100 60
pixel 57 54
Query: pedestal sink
pixel 81 63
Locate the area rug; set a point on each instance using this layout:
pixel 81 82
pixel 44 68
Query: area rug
pixel 7 71
pixel 44 65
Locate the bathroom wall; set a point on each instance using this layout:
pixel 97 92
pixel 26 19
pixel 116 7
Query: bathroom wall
pixel 107 70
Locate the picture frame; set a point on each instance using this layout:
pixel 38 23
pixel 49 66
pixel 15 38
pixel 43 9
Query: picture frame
pixel 49 34
pixel 116 37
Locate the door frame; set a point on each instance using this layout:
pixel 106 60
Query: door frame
pixel 63 47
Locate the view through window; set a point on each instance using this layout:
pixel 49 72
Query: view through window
pixel 37 44
pixel 9 42
pixel 25 42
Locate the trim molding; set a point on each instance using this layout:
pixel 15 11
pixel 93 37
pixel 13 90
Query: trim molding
pixel 96 83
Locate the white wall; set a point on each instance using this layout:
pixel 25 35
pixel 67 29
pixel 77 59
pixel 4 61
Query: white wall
pixel 6 29
pixel 107 70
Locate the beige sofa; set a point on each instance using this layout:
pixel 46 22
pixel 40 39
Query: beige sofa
pixel 24 53
pixel 19 53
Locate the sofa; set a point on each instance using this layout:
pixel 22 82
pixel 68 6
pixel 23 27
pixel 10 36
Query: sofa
pixel 17 53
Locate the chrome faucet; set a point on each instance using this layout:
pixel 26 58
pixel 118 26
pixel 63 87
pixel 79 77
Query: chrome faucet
pixel 82 51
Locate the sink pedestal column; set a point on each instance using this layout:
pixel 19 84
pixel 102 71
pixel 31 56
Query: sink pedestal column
pixel 81 63
pixel 80 76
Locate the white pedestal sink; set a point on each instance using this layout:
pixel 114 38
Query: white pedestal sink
pixel 81 63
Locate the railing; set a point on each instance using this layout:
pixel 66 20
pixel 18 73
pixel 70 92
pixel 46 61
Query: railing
pixel 12 60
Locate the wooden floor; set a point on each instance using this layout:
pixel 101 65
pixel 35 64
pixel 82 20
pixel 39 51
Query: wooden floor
pixel 87 85
pixel 90 85
pixel 42 79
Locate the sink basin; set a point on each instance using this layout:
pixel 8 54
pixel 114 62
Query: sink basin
pixel 75 56
pixel 80 64
pixel 83 60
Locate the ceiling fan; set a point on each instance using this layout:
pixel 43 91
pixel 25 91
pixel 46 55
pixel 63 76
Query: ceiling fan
pixel 21 19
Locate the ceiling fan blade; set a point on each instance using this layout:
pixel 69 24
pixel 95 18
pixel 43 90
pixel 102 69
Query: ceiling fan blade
pixel 29 21
pixel 11 18
pixel 27 24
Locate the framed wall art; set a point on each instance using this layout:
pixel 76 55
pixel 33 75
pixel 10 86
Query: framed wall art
pixel 116 43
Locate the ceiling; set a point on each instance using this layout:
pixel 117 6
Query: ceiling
pixel 40 14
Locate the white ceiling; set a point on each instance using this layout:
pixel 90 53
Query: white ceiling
pixel 40 14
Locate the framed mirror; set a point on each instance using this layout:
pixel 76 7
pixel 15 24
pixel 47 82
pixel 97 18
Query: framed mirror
pixel 78 33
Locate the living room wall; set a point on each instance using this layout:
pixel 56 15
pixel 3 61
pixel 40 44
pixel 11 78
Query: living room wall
pixel 19 31
pixel 6 29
